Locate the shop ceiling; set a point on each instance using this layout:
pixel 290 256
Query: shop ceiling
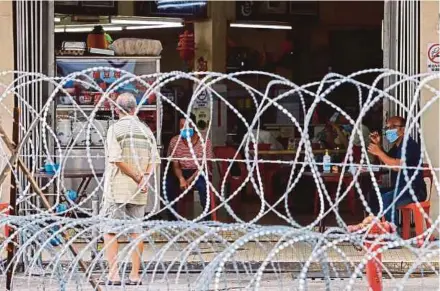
pixel 79 16
pixel 283 11
pixel 66 23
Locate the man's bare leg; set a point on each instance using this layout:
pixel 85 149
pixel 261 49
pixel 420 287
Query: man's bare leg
pixel 111 253
pixel 136 256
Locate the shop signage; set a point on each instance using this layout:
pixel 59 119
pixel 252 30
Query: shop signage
pixel 202 100
pixel 276 10
pixel 433 57
pixel 86 7
pixel 168 8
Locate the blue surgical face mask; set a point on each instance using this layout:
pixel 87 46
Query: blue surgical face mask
pixel 186 133
pixel 347 127
pixel 392 135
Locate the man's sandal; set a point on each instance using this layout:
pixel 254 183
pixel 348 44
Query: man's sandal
pixel 110 283
pixel 130 282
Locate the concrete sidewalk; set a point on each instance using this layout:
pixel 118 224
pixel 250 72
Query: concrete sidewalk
pixel 252 254
pixel 230 282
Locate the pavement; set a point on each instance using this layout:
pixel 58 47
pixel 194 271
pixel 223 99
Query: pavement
pixel 231 282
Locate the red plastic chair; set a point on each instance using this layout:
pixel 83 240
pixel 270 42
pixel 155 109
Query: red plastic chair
pixel 262 146
pixel 357 151
pixel 4 206
pixel 412 208
pixel 228 153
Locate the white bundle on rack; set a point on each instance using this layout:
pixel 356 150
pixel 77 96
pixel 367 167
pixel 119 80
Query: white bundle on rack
pixel 137 47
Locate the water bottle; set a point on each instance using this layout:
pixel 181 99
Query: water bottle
pixel 326 161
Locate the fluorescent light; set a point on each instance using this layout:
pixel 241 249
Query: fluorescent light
pixel 134 22
pixel 262 26
pixel 112 28
pixel 165 4
pixel 170 25
pixel 57 19
pixel 85 28
pixel 144 21
pixel 78 29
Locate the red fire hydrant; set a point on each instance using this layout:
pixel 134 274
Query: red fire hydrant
pixel 374 265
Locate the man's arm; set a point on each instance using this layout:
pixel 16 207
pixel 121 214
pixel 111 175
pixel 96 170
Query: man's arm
pixel 376 150
pixel 389 161
pixel 341 136
pixel 209 158
pixel 115 157
pixel 127 170
pixel 149 168
pixel 177 170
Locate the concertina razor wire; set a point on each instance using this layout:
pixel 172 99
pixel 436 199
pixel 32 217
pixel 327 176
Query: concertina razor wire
pixel 39 230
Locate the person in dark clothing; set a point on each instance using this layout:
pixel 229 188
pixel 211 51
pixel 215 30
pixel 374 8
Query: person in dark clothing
pixel 397 196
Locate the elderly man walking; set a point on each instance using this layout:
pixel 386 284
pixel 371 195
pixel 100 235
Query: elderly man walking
pixel 131 158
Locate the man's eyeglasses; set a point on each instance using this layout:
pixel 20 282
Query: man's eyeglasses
pixel 394 126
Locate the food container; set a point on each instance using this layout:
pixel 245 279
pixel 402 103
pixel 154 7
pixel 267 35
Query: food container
pixel 66 100
pixel 80 132
pixel 99 132
pixel 69 48
pixel 86 98
pixel 64 131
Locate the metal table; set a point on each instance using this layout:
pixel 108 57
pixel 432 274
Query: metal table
pixel 86 177
pixel 332 178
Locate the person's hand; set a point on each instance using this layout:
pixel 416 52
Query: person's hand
pixel 375 137
pixel 142 181
pixel 335 126
pixel 143 184
pixel 191 179
pixel 183 184
pixel 374 149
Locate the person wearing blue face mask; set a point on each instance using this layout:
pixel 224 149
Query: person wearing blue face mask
pixel 397 196
pixel 188 151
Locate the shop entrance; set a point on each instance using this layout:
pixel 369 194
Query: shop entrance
pixel 340 37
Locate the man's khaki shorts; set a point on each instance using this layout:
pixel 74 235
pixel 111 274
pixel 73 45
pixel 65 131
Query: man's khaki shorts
pixel 120 212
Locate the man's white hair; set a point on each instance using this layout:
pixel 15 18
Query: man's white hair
pixel 126 102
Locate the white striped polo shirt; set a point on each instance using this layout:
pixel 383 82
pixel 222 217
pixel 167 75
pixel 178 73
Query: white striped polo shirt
pixel 131 141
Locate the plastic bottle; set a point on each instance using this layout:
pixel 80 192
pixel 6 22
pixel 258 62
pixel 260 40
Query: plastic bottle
pixel 326 161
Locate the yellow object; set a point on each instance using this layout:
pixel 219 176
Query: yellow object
pixel 248 103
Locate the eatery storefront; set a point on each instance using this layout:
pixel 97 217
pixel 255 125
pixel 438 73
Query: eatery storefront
pixel 321 39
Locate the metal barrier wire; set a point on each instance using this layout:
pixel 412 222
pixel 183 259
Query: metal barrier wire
pixel 217 247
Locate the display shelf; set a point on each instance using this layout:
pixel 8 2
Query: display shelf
pixel 104 71
pixel 80 147
pixel 98 57
pixel 92 107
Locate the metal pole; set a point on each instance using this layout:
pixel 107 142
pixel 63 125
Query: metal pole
pixel 95 232
pixel 13 204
